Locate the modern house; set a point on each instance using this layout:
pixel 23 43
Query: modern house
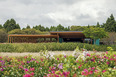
pixel 54 36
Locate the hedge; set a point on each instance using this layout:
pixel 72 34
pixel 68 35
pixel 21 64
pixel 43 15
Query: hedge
pixel 37 47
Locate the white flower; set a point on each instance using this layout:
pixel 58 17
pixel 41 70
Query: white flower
pixel 81 57
pixel 85 53
pixel 64 54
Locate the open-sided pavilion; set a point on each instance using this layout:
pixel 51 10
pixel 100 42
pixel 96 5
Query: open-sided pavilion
pixel 60 36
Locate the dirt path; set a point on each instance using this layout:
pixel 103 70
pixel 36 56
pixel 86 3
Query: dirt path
pixel 38 54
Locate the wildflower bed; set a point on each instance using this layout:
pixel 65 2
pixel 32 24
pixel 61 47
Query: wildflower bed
pixel 49 65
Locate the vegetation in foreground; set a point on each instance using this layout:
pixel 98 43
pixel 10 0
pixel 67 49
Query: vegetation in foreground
pixel 76 65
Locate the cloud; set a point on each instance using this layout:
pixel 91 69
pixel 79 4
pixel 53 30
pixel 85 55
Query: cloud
pixel 54 12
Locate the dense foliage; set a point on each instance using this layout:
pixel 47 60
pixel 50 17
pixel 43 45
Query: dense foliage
pixel 10 25
pixel 3 36
pixel 110 24
pixel 95 33
pixel 23 47
pixel 49 65
pixel 110 40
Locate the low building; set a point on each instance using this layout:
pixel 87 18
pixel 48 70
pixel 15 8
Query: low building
pixel 54 36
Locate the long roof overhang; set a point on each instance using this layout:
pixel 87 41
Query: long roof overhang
pixel 38 36
pixel 68 34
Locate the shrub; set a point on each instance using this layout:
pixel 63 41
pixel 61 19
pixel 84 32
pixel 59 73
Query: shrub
pixel 16 31
pixel 37 47
pixel 3 36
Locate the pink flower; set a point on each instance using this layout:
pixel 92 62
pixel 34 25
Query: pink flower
pixel 96 71
pixel 92 60
pixel 65 56
pixel 27 75
pixel 53 72
pixel 32 73
pixel 91 72
pixel 83 73
pixel 111 59
pixel 103 71
pixel 106 52
pixel 49 67
pixel 0 57
pixel 25 57
pixel 79 66
pixel 104 56
pixel 88 54
pixel 66 73
pixel 114 55
pixel 60 66
pixel 32 69
pixel 37 62
pixel 86 70
pixel 93 68
pixel 54 67
pixel 57 58
pixel 2 69
pixel 26 69
pixel 108 62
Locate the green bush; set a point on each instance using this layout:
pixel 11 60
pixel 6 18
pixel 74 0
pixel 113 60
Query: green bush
pixel 3 36
pixel 37 47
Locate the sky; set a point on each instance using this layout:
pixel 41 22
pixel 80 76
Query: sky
pixel 53 12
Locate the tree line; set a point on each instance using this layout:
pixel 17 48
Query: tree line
pixel 109 26
pixel 97 31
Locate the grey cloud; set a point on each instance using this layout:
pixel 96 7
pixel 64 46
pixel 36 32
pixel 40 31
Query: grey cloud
pixel 54 12
pixel 84 16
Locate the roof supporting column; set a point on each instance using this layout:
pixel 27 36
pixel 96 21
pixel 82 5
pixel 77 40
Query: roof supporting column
pixel 57 37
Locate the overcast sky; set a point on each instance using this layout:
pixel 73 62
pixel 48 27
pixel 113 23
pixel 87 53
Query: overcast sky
pixel 53 12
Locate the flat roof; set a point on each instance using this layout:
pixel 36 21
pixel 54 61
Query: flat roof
pixel 66 31
pixel 52 32
pixel 19 35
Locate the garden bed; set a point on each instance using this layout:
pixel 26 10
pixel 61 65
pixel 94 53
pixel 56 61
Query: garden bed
pixel 78 64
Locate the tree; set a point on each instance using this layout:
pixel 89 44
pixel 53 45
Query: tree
pixel 53 28
pixel 67 29
pixel 47 29
pixel 95 33
pixel 28 27
pixel 110 25
pixel 39 27
pixel 3 36
pixel 1 26
pixel 60 28
pixel 110 40
pixel 10 25
pixel 98 25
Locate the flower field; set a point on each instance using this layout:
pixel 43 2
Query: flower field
pixel 78 64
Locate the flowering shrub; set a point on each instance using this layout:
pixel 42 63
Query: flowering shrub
pixel 85 64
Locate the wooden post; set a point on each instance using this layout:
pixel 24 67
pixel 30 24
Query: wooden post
pixel 57 37
pixel 8 38
pixel 12 40
pixel 91 41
